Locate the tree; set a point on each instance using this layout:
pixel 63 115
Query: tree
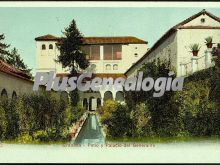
pixel 18 63
pixel 12 57
pixel 4 53
pixel 71 54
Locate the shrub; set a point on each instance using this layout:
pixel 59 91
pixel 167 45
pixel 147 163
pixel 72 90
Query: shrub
pixel 3 123
pixel 24 138
pixel 44 116
pixel 141 119
pixel 116 119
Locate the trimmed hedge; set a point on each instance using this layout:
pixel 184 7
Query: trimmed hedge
pixel 43 116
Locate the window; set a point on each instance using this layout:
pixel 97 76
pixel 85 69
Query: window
pixel 108 67
pixel 95 52
pixel 86 50
pixel 108 52
pixel 115 67
pixel 202 20
pixel 117 52
pixel 112 52
pixel 92 52
pixel 135 54
pixel 93 66
pixel 43 47
pixel 50 46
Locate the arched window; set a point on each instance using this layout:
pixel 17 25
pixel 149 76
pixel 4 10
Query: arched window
pixel 14 95
pixel 93 67
pixel 108 95
pixel 108 67
pixel 4 94
pixel 119 96
pixel 50 46
pixel 43 47
pixel 115 67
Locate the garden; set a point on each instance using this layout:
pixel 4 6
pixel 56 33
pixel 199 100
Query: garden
pixel 40 117
pixel 193 112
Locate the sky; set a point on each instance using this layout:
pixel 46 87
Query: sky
pixel 21 25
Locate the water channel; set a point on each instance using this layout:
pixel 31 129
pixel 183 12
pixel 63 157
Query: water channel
pixel 90 132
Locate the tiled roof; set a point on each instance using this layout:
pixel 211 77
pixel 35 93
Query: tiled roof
pixel 174 29
pixel 97 40
pixel 47 37
pixel 113 40
pixel 6 68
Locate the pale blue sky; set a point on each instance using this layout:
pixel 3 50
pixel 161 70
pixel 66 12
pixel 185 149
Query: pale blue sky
pixel 22 25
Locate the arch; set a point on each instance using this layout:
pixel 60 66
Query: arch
pixel 93 67
pixel 43 47
pixel 98 102
pixel 115 67
pixel 4 94
pixel 119 96
pixel 108 67
pixel 85 103
pixel 108 95
pixel 14 95
pixel 90 103
pixel 50 46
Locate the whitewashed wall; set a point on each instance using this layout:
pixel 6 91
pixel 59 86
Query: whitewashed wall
pixel 166 51
pixel 45 58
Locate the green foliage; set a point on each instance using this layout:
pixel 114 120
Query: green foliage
pixel 208 39
pixel 141 119
pixel 199 113
pixel 42 116
pixel 116 119
pixel 4 53
pixel 74 97
pixel 78 111
pixel 3 123
pixel 17 62
pixel 194 111
pixel 71 55
pixel 12 57
pixel 195 47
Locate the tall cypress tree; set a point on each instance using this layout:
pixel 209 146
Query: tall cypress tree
pixel 71 55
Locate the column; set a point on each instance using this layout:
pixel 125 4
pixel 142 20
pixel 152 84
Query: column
pixel 102 97
pixel 194 63
pixel 208 58
pixel 114 94
pixel 183 73
pixel 101 58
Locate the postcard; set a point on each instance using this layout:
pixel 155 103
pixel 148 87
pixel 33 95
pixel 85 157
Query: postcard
pixel 109 82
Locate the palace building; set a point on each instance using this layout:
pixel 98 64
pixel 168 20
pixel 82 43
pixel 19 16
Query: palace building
pixel 108 57
pixel 123 56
